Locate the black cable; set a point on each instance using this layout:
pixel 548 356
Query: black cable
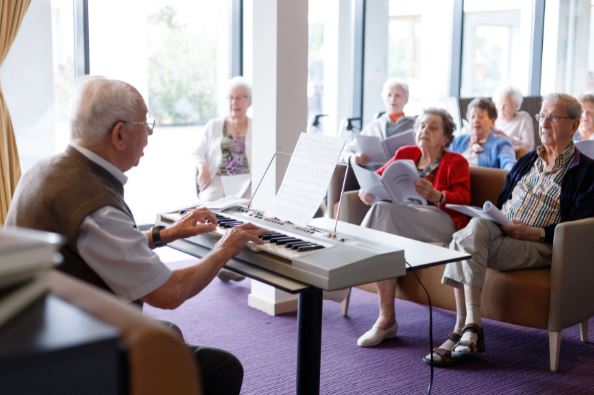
pixel 430 328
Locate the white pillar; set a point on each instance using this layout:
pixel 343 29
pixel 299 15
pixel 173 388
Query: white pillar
pixel 279 79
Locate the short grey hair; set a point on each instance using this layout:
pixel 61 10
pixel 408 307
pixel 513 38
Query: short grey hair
pixel 239 82
pixel 98 105
pixel 512 92
pixel 392 83
pixel 446 120
pixel 572 105
pixel 587 97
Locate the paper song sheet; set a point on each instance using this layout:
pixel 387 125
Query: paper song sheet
pixel 307 178
pixel 236 185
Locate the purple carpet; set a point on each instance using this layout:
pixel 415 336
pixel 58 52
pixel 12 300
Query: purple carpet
pixel 516 360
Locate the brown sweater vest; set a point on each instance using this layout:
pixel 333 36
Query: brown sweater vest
pixel 57 194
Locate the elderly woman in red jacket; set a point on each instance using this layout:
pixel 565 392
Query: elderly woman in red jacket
pixel 445 178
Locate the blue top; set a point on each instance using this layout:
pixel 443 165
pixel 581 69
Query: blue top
pixel 498 151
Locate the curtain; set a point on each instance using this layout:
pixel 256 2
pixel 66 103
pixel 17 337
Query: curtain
pixel 11 16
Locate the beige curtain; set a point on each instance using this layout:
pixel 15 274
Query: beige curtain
pixel 11 16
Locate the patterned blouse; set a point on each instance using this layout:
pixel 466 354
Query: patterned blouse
pixel 234 158
pixel 535 199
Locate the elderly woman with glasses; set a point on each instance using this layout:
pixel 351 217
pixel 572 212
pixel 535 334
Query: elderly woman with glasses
pixel 225 147
pixel 481 147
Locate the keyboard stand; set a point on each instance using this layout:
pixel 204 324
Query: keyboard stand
pixel 309 314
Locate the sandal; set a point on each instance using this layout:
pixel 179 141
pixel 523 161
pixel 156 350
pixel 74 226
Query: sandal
pixel 474 348
pixel 444 356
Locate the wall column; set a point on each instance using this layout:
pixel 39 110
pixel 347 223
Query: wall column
pixel 279 78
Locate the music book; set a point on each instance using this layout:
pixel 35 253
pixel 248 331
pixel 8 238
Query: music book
pixel 380 151
pixel 396 184
pixel 25 252
pixel 488 211
pixel 15 298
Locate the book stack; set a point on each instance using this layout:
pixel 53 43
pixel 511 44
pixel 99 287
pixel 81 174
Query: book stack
pixel 26 256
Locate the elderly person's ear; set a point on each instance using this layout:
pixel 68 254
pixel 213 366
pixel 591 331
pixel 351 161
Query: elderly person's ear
pixel 116 136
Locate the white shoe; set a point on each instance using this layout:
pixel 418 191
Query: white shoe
pixel 376 335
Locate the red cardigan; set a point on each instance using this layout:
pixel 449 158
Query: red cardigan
pixel 452 178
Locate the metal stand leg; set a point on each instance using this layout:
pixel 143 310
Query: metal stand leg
pixel 309 341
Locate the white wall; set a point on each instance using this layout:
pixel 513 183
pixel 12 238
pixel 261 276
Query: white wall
pixel 27 83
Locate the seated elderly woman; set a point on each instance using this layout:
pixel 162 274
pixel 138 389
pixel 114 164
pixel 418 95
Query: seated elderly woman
pixel 393 121
pixel 586 129
pixel 445 178
pixel 516 125
pixel 224 148
pixel 481 147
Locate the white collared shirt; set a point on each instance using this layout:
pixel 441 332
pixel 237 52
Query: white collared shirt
pixel 119 253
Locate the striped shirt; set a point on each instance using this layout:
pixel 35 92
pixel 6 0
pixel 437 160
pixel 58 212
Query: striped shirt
pixel 535 199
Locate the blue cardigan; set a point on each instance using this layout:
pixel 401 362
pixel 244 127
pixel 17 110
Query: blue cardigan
pixel 577 188
pixel 498 151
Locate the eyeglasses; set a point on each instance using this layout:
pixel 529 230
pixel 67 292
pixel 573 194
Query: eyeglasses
pixel 541 118
pixel 150 124
pixel 238 98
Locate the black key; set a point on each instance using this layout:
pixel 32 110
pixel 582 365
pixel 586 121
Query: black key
pixel 310 248
pixel 285 240
pixel 299 243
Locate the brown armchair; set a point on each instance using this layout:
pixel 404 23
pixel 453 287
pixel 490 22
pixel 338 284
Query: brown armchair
pixel 158 360
pixel 551 299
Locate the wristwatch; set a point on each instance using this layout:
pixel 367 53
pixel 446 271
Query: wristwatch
pixel 156 234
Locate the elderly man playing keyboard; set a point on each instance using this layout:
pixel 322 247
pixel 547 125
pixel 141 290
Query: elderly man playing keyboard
pixel 79 194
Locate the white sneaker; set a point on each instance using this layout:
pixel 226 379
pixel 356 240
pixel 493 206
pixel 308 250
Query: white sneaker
pixel 376 335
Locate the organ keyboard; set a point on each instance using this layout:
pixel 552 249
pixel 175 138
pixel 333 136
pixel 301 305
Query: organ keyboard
pixel 307 254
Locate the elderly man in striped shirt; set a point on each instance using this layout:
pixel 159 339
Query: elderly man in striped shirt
pixel 553 184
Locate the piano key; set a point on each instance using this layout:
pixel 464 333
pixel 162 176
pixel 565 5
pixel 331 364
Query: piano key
pixel 310 248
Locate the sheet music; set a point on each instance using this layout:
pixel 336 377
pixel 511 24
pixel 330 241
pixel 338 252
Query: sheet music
pixel 371 146
pixel 307 177
pixel 236 185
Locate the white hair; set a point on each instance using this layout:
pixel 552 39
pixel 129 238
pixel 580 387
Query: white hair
pixel 572 105
pixel 392 83
pixel 512 92
pixel 239 82
pixel 98 105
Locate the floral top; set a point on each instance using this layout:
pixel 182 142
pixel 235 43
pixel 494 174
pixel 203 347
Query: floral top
pixel 234 158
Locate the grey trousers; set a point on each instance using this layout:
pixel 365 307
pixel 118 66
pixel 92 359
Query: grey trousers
pixel 490 247
pixel 424 223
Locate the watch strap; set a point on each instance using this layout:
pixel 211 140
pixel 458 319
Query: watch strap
pixel 156 235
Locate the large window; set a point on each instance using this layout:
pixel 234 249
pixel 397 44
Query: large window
pixel 63 67
pixel 497 46
pixel 419 48
pixel 568 49
pixel 176 52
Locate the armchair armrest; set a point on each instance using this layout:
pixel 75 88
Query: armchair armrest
pixel 572 271
pixel 158 360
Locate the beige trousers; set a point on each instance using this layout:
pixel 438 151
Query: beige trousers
pixel 424 223
pixel 489 247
